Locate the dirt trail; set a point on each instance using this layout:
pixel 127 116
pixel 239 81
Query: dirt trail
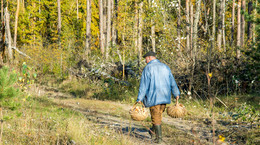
pixel 200 132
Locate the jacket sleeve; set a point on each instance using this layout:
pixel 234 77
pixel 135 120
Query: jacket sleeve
pixel 144 85
pixel 174 88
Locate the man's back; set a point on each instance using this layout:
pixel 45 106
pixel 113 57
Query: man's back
pixel 156 84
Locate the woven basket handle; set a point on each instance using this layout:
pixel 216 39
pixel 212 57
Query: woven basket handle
pixel 177 102
pixel 140 103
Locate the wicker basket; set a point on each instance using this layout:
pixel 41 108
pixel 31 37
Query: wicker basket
pixel 138 113
pixel 176 111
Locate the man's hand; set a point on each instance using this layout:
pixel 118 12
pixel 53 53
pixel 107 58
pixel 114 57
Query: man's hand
pixel 139 102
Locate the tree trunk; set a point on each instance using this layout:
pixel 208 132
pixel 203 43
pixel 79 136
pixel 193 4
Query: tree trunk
pixel 195 36
pixel 136 28
pixel 195 29
pixel 187 27
pixel 249 24
pixel 223 26
pixel 254 27
pixel 2 10
pixel 238 29
pixel 179 26
pixel 59 23
pixel 16 22
pixel 108 28
pixel 77 9
pixel 214 24
pixel 233 22
pixel 153 35
pixel 140 31
pixel 114 17
pixel 8 36
pixel 88 29
pixel 219 42
pixel 243 8
pixel 105 24
pixel 101 41
pixel 191 29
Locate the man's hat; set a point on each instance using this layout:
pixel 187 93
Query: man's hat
pixel 150 53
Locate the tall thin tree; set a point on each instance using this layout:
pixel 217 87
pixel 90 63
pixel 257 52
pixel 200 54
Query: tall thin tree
pixel 59 23
pixel 140 31
pixel 101 27
pixel 214 24
pixel 16 22
pixel 243 22
pixel 233 23
pixel 238 29
pixel 187 26
pixel 249 24
pixel 219 35
pixel 179 26
pixel 88 29
pixel 108 40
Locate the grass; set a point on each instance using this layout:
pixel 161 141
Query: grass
pixel 38 120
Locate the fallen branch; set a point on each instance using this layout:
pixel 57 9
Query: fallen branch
pixel 222 102
pixel 21 52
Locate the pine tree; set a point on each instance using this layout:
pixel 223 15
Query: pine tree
pixel 7 81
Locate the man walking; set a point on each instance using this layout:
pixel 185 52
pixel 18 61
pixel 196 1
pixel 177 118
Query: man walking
pixel 157 84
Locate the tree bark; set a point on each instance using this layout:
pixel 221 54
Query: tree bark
pixel 101 36
pixel 191 29
pixel 243 8
pixel 249 24
pixel 88 29
pixel 140 31
pixel 8 36
pixel 136 28
pixel 219 42
pixel 187 26
pixel 223 27
pixel 179 26
pixel 233 23
pixel 108 28
pixel 16 22
pixel 153 35
pixel 59 24
pixel 2 10
pixel 238 29
pixel 114 17
pixel 214 24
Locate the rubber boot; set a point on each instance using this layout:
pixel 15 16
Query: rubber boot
pixel 152 134
pixel 158 133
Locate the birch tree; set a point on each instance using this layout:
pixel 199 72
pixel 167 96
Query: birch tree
pixel 88 28
pixel 238 29
pixel 108 40
pixel 140 31
pixel 101 36
pixel 59 23
pixel 249 23
pixel 233 22
pixel 187 26
pixel 243 8
pixel 219 36
pixel 16 22
pixel 179 26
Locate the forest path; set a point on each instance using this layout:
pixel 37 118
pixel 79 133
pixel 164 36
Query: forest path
pixel 115 116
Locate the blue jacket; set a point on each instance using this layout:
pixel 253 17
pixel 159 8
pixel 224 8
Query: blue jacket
pixel 157 84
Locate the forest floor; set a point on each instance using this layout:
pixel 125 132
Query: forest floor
pixel 115 116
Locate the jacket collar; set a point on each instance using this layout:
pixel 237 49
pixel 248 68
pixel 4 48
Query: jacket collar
pixel 155 60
